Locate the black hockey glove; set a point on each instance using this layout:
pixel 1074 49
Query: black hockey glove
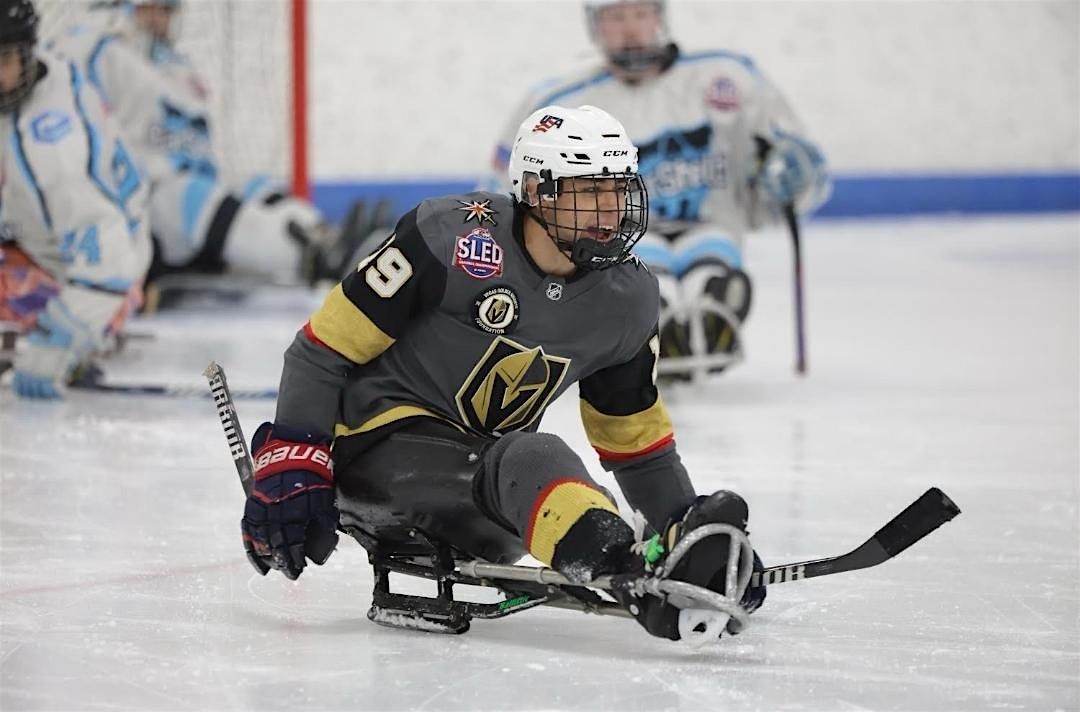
pixel 290 513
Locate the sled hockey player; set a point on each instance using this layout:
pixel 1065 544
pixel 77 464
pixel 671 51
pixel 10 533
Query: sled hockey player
pixel 199 223
pixel 722 154
pixel 74 244
pixel 411 399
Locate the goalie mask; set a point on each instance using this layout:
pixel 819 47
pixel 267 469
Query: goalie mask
pixel 18 36
pixel 632 34
pixel 575 170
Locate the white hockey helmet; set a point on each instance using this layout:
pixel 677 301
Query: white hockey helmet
pixel 555 143
pixel 631 59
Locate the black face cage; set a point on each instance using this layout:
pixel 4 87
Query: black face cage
pixel 628 222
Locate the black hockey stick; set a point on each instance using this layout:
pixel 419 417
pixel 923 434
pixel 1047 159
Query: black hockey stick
pixel 93 379
pixel 918 519
pixel 921 517
pixel 230 422
pixel 151 389
pixel 792 220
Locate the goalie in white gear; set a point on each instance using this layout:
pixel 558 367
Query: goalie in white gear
pixel 199 222
pixel 74 246
pixel 722 153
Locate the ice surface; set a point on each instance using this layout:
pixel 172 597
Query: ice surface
pixel 942 353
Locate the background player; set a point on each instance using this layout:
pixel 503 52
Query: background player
pixel 72 210
pixel 430 366
pixel 721 151
pixel 199 223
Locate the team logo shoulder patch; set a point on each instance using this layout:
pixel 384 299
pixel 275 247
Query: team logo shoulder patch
pixel 477 254
pixel 496 310
pixel 722 94
pixel 50 126
pixel 478 210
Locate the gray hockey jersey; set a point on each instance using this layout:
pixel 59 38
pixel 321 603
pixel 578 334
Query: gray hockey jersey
pixel 450 319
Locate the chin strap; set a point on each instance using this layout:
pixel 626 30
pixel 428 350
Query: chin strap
pixel 584 252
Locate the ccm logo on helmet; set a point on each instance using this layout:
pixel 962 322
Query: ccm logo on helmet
pixel 318 455
pixel 617 153
pixel 531 159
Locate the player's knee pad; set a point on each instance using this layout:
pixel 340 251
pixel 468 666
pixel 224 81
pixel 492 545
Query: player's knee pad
pixel 542 488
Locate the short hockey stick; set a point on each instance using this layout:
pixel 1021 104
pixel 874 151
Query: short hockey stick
pixel 918 519
pixel 151 389
pixel 800 321
pixel 230 422
pixel 921 517
pixel 92 379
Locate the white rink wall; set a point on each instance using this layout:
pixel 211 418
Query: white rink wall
pixel 422 87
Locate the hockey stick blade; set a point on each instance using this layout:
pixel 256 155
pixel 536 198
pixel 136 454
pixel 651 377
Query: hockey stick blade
pixel 921 517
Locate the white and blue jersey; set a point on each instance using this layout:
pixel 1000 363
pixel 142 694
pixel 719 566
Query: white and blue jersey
pixel 157 97
pixel 71 195
pixel 695 127
pixel 163 108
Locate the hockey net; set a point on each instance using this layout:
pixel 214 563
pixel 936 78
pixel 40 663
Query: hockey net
pixel 244 51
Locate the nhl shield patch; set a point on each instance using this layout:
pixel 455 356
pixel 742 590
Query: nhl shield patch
pixel 477 254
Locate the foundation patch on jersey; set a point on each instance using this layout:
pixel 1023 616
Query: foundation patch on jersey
pixel 722 94
pixel 496 310
pixel 478 210
pixel 477 254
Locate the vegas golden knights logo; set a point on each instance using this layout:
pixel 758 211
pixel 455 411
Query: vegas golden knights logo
pixel 509 387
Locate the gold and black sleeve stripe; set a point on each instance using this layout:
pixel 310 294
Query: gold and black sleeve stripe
pixel 621 409
pixel 372 307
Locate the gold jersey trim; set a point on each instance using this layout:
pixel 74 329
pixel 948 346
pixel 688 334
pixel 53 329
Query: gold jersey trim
pixel 626 434
pixel 399 412
pixel 346 329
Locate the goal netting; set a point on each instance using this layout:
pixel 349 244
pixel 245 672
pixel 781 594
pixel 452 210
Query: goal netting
pixel 244 51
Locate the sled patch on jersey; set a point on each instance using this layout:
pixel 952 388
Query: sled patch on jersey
pixel 477 254
pixel 496 310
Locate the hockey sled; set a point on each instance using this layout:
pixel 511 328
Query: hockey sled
pixel 421 556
